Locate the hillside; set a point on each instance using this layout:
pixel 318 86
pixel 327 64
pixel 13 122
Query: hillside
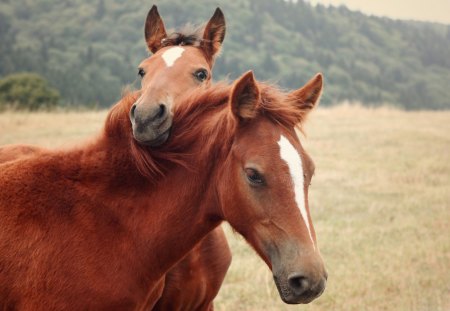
pixel 89 50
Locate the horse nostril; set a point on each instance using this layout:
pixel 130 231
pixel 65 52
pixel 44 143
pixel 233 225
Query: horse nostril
pixel 161 112
pixel 298 283
pixel 133 108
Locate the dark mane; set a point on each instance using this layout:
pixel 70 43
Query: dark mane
pixel 189 35
pixel 202 117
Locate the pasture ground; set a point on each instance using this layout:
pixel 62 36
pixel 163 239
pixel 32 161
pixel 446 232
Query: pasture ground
pixel 380 202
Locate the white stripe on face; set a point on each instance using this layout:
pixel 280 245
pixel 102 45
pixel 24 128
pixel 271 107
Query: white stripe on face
pixel 293 160
pixel 171 55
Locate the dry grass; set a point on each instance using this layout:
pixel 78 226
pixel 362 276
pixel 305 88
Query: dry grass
pixel 380 202
pixel 49 129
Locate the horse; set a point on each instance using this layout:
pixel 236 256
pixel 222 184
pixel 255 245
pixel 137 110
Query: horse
pixel 204 268
pixel 180 62
pixel 97 227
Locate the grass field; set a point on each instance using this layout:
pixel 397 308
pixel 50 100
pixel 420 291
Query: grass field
pixel 380 202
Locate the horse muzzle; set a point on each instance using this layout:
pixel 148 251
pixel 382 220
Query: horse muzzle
pixel 299 273
pixel 298 288
pixel 151 124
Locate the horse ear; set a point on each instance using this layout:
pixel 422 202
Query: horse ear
pixel 154 30
pixel 307 97
pixel 214 34
pixel 245 97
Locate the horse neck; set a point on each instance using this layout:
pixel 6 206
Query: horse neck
pixel 109 157
pixel 165 217
pixel 184 206
pixel 105 161
pixel 181 211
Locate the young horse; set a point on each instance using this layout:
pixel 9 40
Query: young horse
pixel 204 268
pixel 180 62
pixel 86 229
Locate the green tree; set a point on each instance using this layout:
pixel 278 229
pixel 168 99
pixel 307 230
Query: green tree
pixel 100 11
pixel 89 49
pixel 27 91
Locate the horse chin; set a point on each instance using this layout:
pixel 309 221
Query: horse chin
pixel 290 297
pixel 285 293
pixel 158 141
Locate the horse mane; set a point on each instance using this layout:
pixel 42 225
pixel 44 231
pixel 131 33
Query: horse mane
pixel 188 35
pixel 202 117
pixel 275 104
pixel 281 108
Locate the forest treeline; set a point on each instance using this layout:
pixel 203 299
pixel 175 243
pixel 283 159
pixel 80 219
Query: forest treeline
pixel 89 49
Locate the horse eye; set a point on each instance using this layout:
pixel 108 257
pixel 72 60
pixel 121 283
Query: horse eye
pixel 141 72
pixel 254 177
pixel 201 75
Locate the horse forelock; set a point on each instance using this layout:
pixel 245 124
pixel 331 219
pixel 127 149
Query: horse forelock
pixel 189 35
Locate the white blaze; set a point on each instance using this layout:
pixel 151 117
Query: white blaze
pixel 172 54
pixel 293 160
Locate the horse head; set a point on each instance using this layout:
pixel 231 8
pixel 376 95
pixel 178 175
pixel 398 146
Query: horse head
pixel 263 184
pixel 180 62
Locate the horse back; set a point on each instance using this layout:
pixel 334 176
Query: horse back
pixel 15 152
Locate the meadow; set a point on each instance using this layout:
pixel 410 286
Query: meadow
pixel 380 202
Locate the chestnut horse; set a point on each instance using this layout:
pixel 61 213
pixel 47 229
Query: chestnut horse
pixel 202 271
pixel 87 229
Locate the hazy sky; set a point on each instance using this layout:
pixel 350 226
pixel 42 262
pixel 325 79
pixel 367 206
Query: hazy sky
pixel 423 10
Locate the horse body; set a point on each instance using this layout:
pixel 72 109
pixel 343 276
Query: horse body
pixel 80 235
pixel 95 241
pixel 192 283
pixel 45 236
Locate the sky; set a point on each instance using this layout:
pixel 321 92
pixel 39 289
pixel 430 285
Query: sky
pixel 422 10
